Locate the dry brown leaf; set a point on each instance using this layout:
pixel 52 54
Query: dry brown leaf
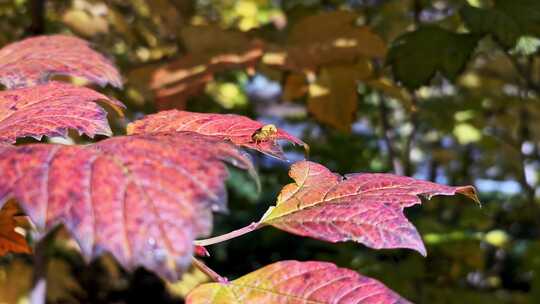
pixel 10 240
pixel 327 38
pixel 333 97
pixel 296 86
pixel 210 50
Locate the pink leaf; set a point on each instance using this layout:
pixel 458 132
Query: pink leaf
pixel 50 109
pixel 365 208
pixel 240 130
pixel 142 198
pixel 33 60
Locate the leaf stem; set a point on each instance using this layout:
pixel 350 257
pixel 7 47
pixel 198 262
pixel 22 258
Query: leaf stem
pixel 208 271
pixel 227 236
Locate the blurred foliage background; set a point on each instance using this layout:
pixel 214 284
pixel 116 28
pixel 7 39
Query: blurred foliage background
pixel 443 90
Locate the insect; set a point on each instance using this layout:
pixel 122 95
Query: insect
pixel 264 133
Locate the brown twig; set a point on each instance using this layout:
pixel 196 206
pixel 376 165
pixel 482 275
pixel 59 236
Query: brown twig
pixel 386 133
pixel 407 164
pixel 37 11
pixel 208 271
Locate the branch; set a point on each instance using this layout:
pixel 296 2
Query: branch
pixel 433 164
pixel 387 129
pixel 37 11
pixel 407 170
pixel 208 271
pixel 227 236
pixel 417 10
pixel 407 165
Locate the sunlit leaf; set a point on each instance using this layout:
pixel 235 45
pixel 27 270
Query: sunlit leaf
pixel 297 282
pixel 51 109
pixel 191 279
pixel 85 23
pixel 33 60
pixel 142 198
pixel 333 97
pixel 365 208
pixel 209 50
pixel 238 129
pixel 327 38
pixel 466 133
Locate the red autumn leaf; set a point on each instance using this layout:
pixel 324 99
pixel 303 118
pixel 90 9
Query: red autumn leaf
pixel 31 61
pixel 50 109
pixel 240 130
pixel 297 282
pixel 10 240
pixel 365 208
pixel 142 198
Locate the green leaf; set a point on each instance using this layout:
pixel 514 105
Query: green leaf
pixel 526 13
pixel 506 21
pixel 415 57
pixel 490 21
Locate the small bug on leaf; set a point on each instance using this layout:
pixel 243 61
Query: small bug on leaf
pixel 264 133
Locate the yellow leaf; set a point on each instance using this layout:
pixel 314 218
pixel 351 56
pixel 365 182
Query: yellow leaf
pixel 84 23
pixel 467 133
pixel 191 279
pixel 333 98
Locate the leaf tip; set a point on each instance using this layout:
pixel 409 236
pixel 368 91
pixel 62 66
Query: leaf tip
pixel 470 192
pixel 417 246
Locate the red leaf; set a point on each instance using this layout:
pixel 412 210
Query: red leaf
pixel 50 109
pixel 33 60
pixel 297 282
pixel 142 198
pixel 238 129
pixel 366 208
